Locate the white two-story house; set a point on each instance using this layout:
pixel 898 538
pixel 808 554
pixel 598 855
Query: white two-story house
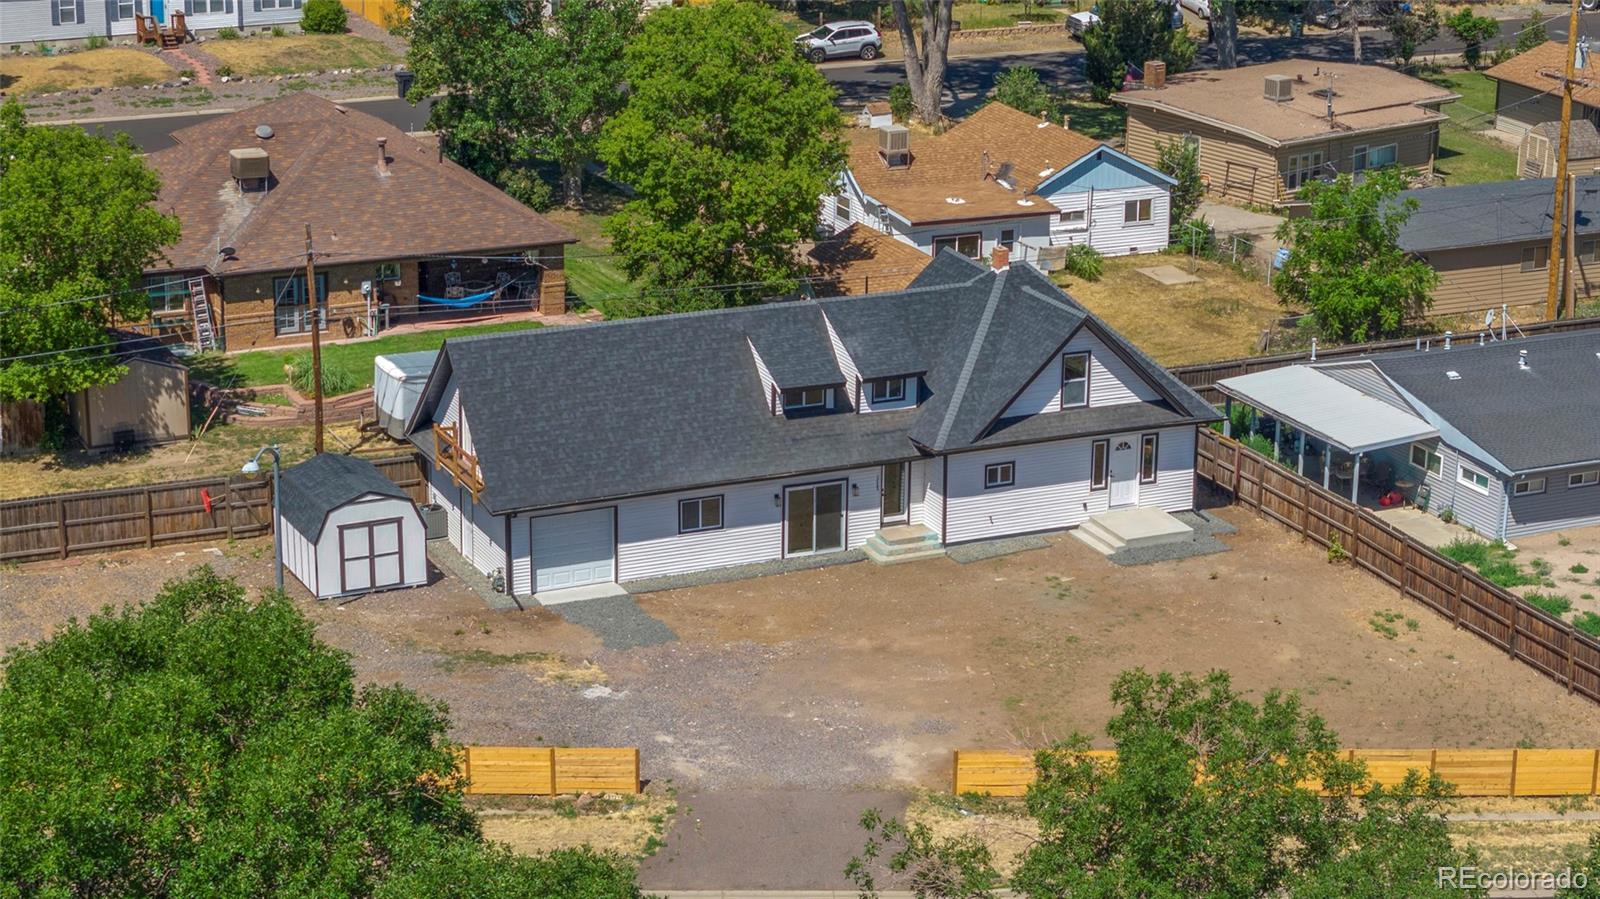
pixel 1000 178
pixel 979 402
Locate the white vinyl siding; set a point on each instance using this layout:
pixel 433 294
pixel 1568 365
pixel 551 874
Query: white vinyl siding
pixel 768 385
pixel 299 556
pixel 841 355
pixel 1112 382
pixel 1560 507
pixel 413 556
pixel 1051 489
pixel 931 506
pixel 1104 223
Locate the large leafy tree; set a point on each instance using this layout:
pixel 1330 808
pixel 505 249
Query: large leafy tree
pixel 1410 29
pixel 1131 32
pixel 1210 795
pixel 205 745
pixel 1346 266
pixel 926 42
pixel 1021 88
pixel 1181 160
pixel 519 84
pixel 727 140
pixel 78 225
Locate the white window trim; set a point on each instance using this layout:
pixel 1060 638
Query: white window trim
pixel 992 472
pixel 67 12
pixel 1088 373
pixel 1433 463
pixel 700 513
pixel 1138 210
pixel 1583 479
pixel 1528 487
pixel 872 390
pixel 1462 477
pixel 824 403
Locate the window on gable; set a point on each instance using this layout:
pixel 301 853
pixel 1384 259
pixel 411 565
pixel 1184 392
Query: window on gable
pixel 1528 487
pixel 1583 479
pixel 1074 380
pixel 1136 211
pixel 1474 478
pixel 805 398
pixel 1535 259
pixel 887 390
pixel 999 474
pixel 841 206
pixel 1425 458
pixel 1147 458
pixel 1099 457
pixel 702 513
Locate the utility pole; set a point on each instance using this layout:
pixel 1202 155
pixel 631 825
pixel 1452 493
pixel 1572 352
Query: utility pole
pixel 1558 211
pixel 316 335
pixel 1569 274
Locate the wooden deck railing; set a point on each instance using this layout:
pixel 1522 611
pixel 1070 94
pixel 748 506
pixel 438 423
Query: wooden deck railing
pixel 462 465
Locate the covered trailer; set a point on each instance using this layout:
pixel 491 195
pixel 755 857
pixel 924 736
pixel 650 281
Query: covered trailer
pixel 397 381
pixel 347 529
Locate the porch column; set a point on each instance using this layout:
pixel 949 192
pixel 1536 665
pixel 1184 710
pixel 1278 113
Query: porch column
pixel 1227 416
pixel 552 281
pixel 1327 466
pixel 1300 453
pixel 1355 481
pixel 1277 428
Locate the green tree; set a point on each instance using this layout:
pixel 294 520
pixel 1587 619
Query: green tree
pixel 1471 30
pixel 518 84
pixel 1587 864
pixel 900 105
pixel 1131 32
pixel 1181 160
pixel 1346 266
pixel 727 140
pixel 1149 825
pixel 1021 88
pixel 1410 30
pixel 205 745
pixel 1533 34
pixel 77 220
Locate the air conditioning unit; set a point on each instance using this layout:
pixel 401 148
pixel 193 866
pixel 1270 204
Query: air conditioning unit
pixel 1279 88
pixel 894 144
pixel 249 164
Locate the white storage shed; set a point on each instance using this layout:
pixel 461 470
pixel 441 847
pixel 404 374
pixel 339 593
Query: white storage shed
pixel 397 381
pixel 347 529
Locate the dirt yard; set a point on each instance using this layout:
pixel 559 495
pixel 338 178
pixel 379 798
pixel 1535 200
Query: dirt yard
pixel 865 676
pixel 1573 562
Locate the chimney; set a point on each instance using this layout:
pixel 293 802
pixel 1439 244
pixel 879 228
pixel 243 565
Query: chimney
pixel 1155 74
pixel 1001 258
pixel 383 156
pixel 1522 359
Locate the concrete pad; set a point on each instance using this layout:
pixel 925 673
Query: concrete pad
pixel 1139 526
pixel 1424 527
pixel 579 594
pixel 1169 275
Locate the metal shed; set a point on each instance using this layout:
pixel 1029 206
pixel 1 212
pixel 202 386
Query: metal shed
pixel 347 529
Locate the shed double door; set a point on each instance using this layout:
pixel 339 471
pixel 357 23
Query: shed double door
pixel 371 556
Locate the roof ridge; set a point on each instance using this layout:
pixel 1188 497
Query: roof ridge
pixel 979 336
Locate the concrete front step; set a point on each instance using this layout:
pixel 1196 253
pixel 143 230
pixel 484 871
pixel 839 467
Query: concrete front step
pixel 902 543
pixel 1132 528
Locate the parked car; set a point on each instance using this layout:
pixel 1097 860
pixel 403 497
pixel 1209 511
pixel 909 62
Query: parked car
pixel 1201 8
pixel 1079 22
pixel 1335 14
pixel 852 38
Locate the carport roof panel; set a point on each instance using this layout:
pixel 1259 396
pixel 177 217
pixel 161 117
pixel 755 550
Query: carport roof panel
pixel 1339 414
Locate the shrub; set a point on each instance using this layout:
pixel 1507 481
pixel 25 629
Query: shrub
pixel 225 71
pixel 1336 551
pixel 336 379
pixel 1195 236
pixel 1579 568
pixel 227 34
pixel 900 105
pixel 277 31
pixel 1549 603
pixel 323 17
pixel 1496 563
pixel 96 41
pixel 1467 552
pixel 1588 622
pixel 1084 262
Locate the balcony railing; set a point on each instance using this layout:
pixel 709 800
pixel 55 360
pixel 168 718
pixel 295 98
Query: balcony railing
pixel 462 465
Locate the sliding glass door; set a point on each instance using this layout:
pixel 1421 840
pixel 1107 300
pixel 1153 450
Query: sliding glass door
pixel 813 519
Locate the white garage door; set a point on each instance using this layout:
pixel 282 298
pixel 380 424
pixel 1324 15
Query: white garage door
pixel 371 556
pixel 573 550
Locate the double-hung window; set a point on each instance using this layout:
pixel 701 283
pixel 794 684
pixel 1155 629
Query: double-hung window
pixel 125 10
pixel 1074 380
pixel 66 12
pixel 1148 445
pixel 1528 487
pixel 1135 211
pixel 1583 479
pixel 1535 259
pixel 999 474
pixel 703 513
pixel 168 295
pixel 1474 478
pixel 887 390
pixel 1425 458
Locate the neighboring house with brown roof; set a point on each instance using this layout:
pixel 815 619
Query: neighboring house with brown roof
pixel 392 220
pixel 1000 178
pixel 1264 131
pixel 860 260
pixel 1527 89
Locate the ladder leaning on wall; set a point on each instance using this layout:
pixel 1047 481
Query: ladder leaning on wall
pixel 205 336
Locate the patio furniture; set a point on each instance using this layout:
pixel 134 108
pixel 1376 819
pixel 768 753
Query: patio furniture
pixel 1406 489
pixel 453 288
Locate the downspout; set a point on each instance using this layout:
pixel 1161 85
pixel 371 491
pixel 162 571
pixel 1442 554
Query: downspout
pixel 511 578
pixel 944 500
pixel 1505 510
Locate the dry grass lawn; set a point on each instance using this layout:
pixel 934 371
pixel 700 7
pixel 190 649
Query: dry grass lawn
pixel 1221 317
pixel 628 825
pixel 293 53
pixel 106 67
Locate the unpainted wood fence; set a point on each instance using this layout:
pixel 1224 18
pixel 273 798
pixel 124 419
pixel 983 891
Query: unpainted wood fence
pixel 224 507
pixel 1203 376
pixel 1473 772
pixel 548 771
pixel 1548 644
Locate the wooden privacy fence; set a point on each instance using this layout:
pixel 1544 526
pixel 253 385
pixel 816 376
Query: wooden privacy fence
pixel 1473 772
pixel 1203 376
pixel 69 524
pixel 548 771
pixel 1552 646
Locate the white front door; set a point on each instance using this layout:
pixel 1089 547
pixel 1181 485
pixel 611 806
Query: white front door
pixel 1124 472
pixel 573 550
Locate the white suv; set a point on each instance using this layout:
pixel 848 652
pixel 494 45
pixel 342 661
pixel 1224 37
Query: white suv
pixel 841 39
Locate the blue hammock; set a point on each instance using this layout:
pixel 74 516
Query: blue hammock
pixel 460 302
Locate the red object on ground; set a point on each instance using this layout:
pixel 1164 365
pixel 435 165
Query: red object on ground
pixel 205 498
pixel 1392 498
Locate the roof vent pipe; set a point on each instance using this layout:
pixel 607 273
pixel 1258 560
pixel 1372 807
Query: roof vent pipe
pixel 1313 349
pixel 1522 359
pixel 383 156
pixel 1447 336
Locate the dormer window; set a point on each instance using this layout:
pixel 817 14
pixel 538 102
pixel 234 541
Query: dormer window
pixel 805 398
pixel 887 390
pixel 1074 380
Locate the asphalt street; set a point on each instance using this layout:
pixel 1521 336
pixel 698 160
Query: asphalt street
pixel 969 78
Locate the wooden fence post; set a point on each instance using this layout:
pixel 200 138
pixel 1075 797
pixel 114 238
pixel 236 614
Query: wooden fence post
pixel 1405 566
pixel 1456 598
pixel 1571 634
pixel 1514 754
pixel 227 503
pixel 61 527
pixel 149 518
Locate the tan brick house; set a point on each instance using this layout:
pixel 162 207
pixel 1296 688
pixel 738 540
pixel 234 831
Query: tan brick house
pixel 1263 131
pixel 392 219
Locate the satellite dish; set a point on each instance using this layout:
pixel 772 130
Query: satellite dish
pixel 1488 318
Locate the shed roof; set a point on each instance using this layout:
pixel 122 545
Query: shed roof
pixel 1492 213
pixel 1583 140
pixel 1327 409
pixel 321 484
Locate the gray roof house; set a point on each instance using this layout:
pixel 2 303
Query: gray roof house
pixel 1504 434
pixel 1490 242
pixel 978 402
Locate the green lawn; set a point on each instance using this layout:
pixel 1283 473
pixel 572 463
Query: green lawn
pixel 593 274
pixel 1466 156
pixel 266 366
pixel 1101 121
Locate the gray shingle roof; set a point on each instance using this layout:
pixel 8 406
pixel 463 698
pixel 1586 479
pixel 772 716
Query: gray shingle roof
pixel 592 412
pixel 1544 416
pixel 1583 140
pixel 323 483
pixel 1495 212
pixel 793 343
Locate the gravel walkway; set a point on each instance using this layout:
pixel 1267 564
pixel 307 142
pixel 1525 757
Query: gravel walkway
pixel 617 620
pixel 966 553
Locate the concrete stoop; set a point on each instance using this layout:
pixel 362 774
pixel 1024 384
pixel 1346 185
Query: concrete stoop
pixel 903 543
pixel 1119 529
